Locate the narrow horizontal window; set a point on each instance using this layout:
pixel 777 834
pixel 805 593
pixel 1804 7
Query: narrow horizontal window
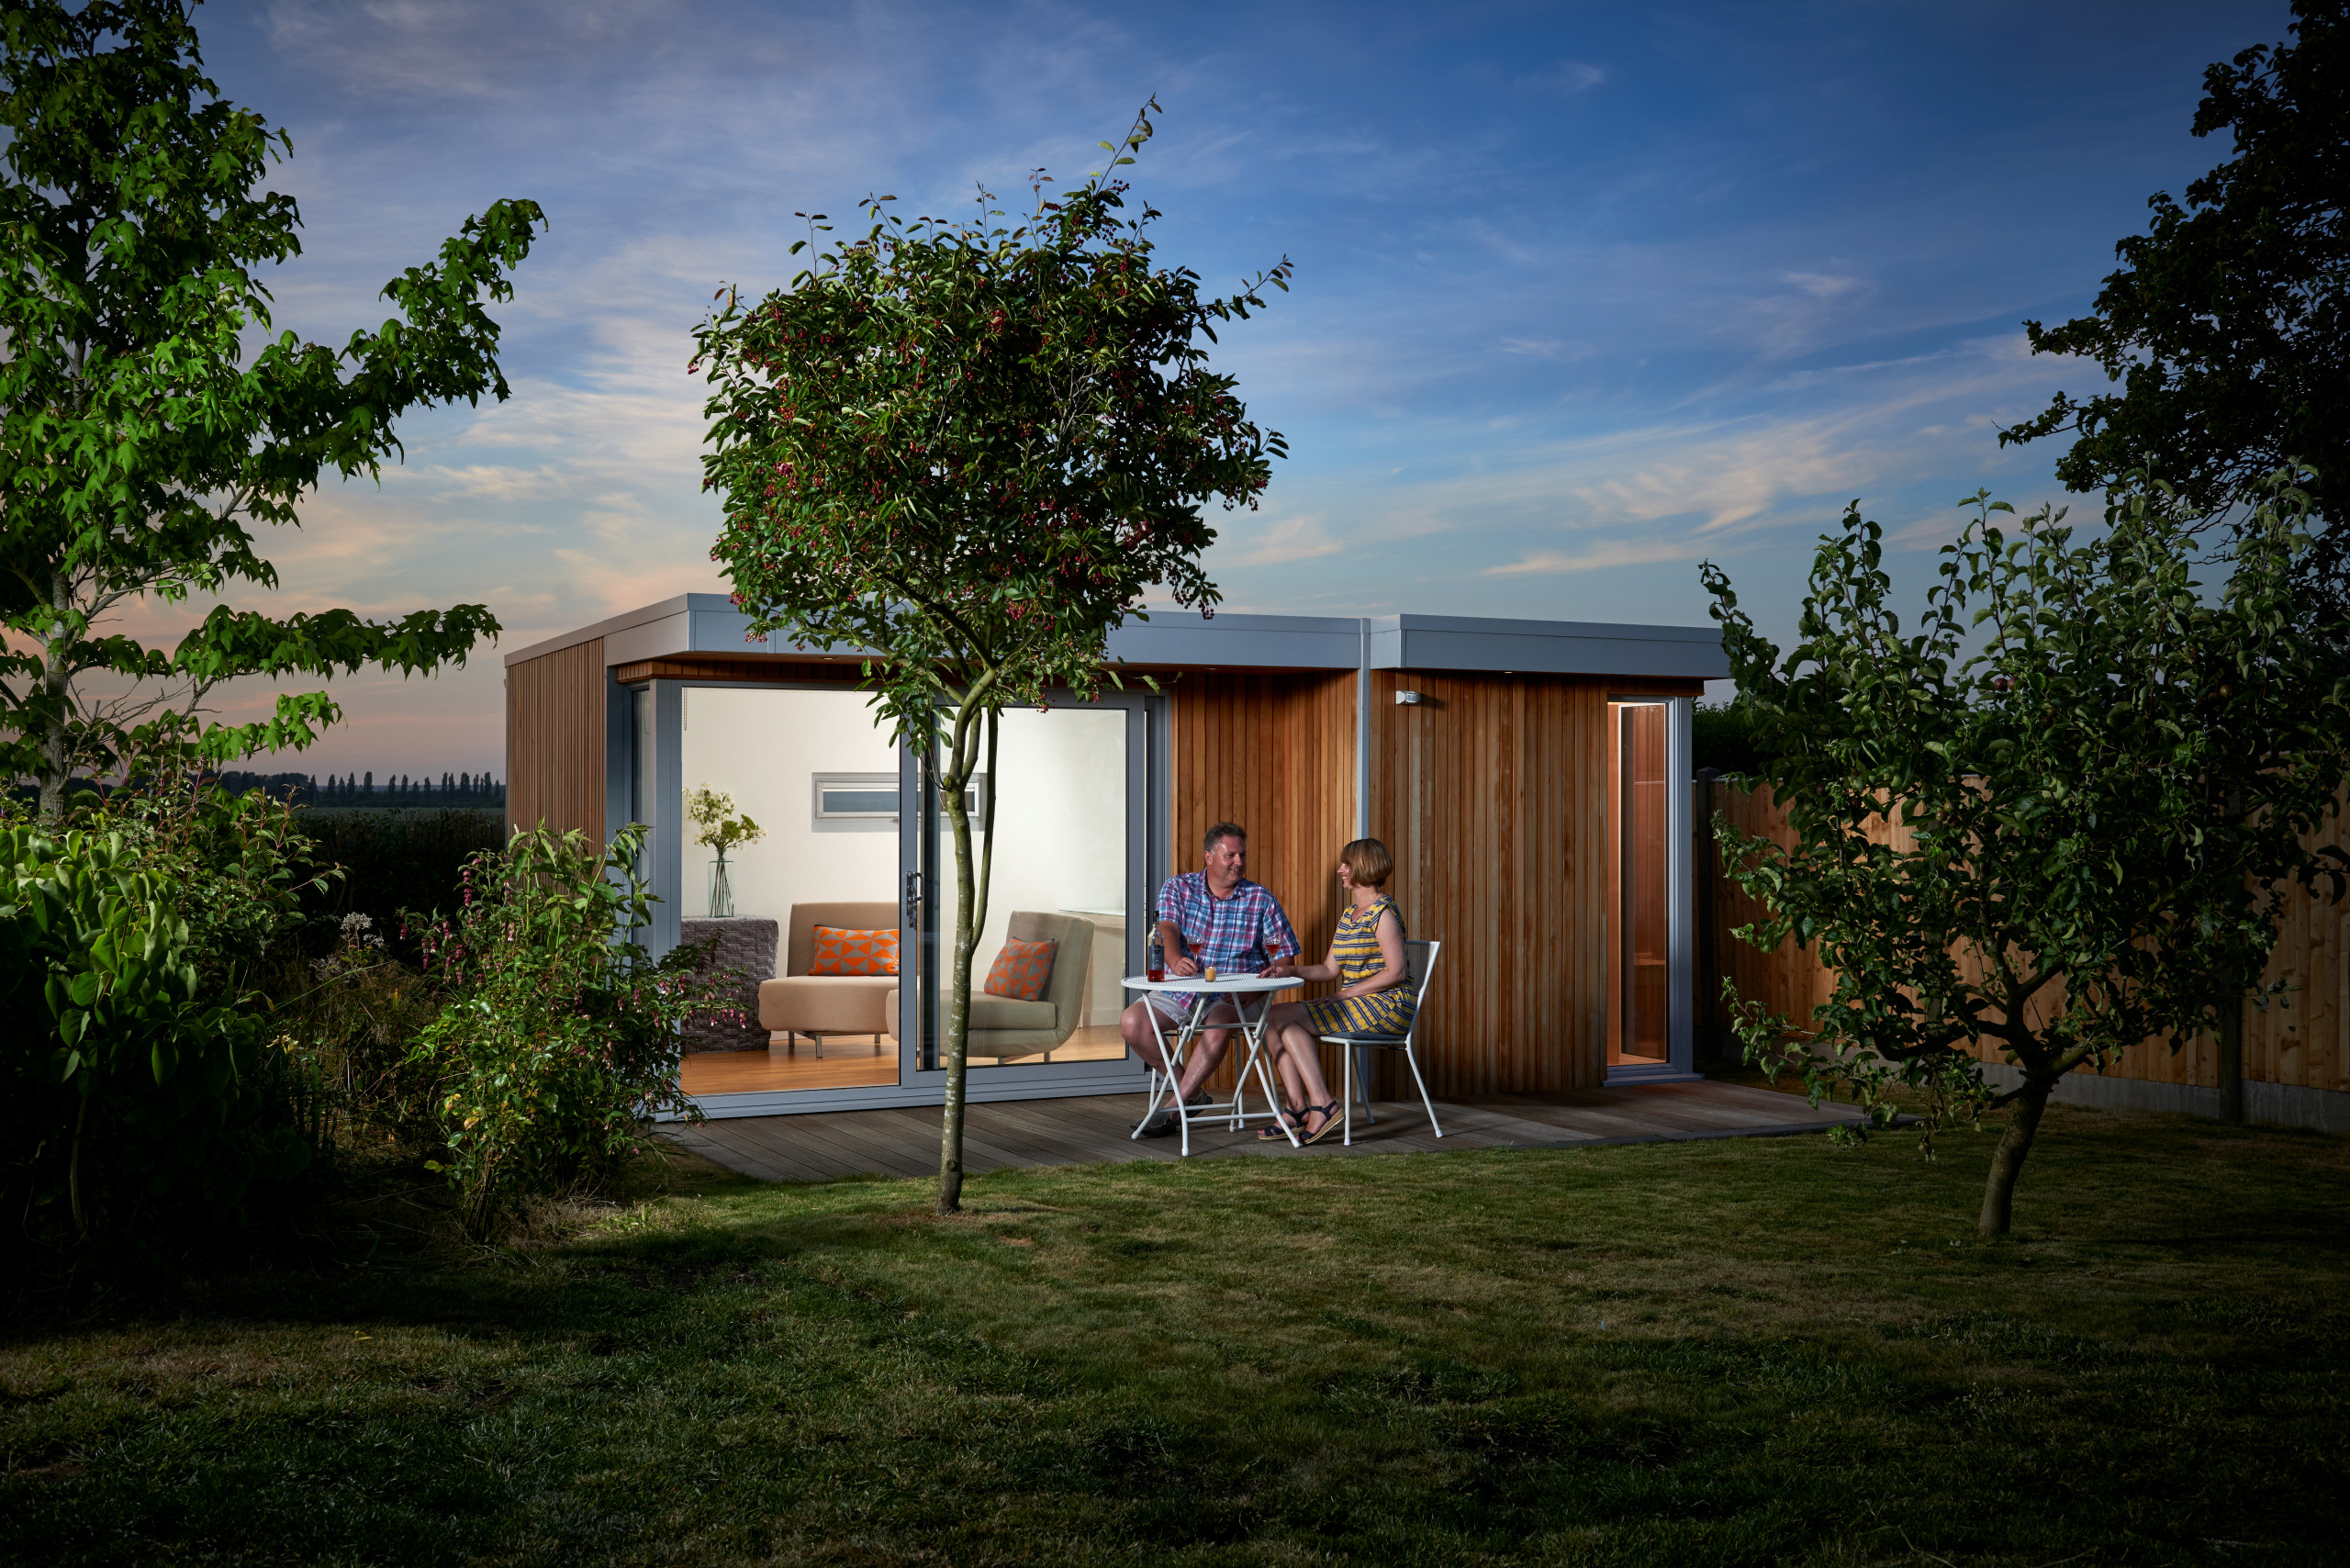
pixel 856 796
pixel 873 797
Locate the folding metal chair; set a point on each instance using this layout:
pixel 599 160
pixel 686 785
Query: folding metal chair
pixel 1419 963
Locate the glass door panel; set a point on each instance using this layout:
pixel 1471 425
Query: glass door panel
pixel 1060 871
pixel 1640 1026
pixel 831 856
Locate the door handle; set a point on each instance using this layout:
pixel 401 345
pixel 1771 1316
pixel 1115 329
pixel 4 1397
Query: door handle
pixel 913 900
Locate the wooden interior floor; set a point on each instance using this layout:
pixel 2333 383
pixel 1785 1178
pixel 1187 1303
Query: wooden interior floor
pixel 903 1142
pixel 849 1062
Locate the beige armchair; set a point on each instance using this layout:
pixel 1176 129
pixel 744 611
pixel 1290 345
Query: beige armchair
pixel 798 1004
pixel 1002 1027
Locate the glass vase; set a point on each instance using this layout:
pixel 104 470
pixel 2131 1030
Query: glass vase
pixel 722 892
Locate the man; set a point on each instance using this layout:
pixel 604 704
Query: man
pixel 1213 918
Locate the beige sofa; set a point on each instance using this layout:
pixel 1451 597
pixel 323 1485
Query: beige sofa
pixel 1003 1027
pixel 797 1003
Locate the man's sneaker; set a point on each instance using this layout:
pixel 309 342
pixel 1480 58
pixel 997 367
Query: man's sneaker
pixel 1159 1124
pixel 1163 1123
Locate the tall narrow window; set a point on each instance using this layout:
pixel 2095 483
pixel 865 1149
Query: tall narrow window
pixel 1640 1022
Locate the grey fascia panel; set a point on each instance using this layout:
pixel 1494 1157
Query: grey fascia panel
pixel 719 629
pixel 696 623
pixel 1183 638
pixel 660 639
pixel 1537 647
pixel 611 626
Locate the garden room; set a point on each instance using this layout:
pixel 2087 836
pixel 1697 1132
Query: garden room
pixel 1531 779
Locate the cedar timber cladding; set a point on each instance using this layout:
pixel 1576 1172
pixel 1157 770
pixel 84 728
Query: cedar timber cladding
pixel 1491 793
pixel 555 739
pixel 1274 752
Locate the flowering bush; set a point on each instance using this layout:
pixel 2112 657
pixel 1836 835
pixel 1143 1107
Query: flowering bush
pixel 556 1045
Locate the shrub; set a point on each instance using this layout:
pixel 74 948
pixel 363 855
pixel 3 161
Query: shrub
pixel 395 860
pixel 556 1043
pixel 353 1014
pixel 136 1081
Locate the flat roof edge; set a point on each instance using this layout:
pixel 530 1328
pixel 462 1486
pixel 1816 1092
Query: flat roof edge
pixel 623 622
pixel 1183 638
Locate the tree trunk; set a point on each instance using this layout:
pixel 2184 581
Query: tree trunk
pixel 972 912
pixel 958 1004
pixel 56 738
pixel 74 1171
pixel 2230 1032
pixel 2007 1162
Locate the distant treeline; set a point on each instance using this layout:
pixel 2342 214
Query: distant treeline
pixel 362 790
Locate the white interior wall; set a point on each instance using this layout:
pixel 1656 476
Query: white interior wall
pixel 1060 813
pixel 764 748
pixel 1060 825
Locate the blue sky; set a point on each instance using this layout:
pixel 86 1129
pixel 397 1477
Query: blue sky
pixel 1584 294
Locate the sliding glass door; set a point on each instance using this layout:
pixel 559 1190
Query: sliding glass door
pixel 856 866
pixel 1066 854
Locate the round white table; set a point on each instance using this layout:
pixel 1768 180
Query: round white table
pixel 1205 993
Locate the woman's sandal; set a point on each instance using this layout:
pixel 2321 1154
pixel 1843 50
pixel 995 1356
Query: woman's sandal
pixel 1292 1123
pixel 1330 1118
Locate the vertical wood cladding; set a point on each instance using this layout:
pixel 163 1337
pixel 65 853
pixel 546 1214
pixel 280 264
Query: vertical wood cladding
pixel 1492 792
pixel 2298 1040
pixel 555 739
pixel 1276 754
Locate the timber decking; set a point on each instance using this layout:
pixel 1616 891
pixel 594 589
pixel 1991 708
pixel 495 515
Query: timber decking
pixel 1093 1130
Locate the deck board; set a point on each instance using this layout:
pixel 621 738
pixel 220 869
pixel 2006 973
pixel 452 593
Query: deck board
pixel 1093 1130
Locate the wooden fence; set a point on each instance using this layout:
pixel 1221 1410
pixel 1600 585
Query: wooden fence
pixel 2299 1041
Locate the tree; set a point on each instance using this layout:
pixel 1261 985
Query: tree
pixel 2228 325
pixel 969 450
pixel 2058 817
pixel 136 440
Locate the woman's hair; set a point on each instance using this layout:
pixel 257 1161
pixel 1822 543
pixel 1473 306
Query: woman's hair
pixel 1368 862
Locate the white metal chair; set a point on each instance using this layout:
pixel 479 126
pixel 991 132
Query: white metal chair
pixel 1419 963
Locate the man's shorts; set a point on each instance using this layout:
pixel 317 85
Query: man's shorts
pixel 1174 1006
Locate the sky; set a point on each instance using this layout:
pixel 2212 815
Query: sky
pixel 1585 294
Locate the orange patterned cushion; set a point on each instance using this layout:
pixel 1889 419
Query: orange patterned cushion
pixel 840 952
pixel 1021 970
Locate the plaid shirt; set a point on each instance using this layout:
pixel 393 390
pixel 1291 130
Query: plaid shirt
pixel 1234 936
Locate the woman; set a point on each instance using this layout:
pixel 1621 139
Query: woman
pixel 1374 997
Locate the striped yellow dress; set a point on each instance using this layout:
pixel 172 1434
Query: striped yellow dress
pixel 1355 947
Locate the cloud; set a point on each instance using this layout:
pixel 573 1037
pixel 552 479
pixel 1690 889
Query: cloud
pixel 1569 77
pixel 1824 286
pixel 460 47
pixel 1292 539
pixel 1598 557
pixel 1555 349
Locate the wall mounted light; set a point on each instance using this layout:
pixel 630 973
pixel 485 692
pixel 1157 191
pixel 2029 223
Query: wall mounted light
pixel 1408 699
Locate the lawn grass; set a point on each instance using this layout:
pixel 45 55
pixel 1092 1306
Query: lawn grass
pixel 1747 1351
